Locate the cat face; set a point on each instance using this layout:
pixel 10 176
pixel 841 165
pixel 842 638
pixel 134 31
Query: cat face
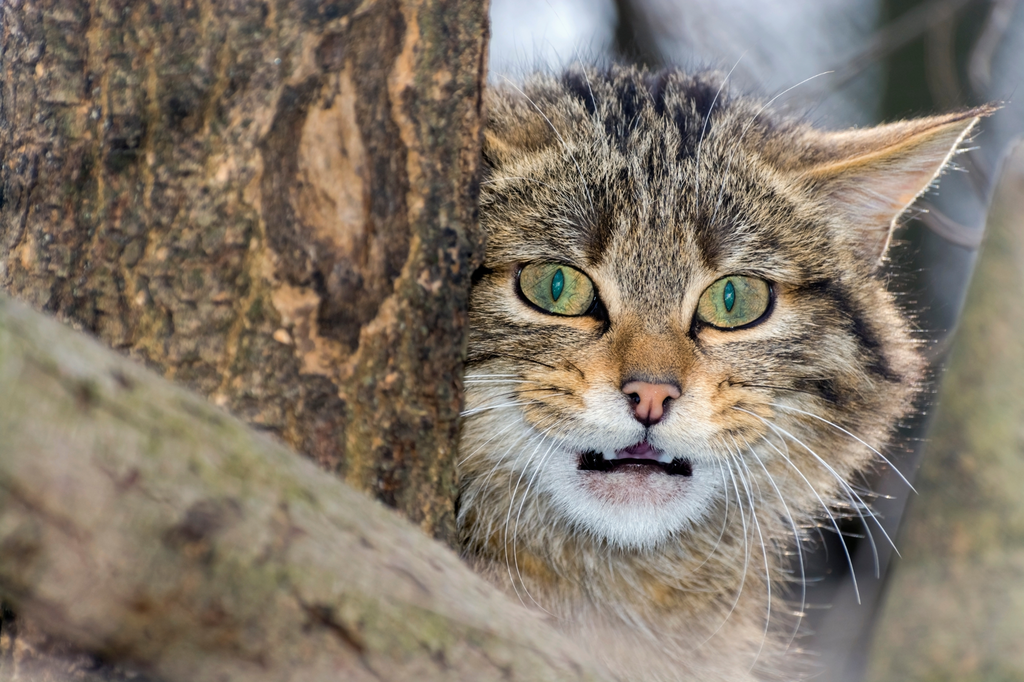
pixel 680 304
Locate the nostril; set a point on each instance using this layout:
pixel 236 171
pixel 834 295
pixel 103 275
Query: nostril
pixel 649 399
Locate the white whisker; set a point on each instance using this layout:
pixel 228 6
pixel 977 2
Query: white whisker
pixel 851 435
pixel 725 519
pixel 704 130
pixel 497 465
pixel 746 555
pixel 828 511
pixel 485 444
pixel 579 169
pixel 764 549
pixel 743 134
pixel 796 537
pixel 515 531
pixel 500 381
pixel 508 518
pixel 858 506
pixel 485 408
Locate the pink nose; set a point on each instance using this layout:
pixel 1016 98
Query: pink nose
pixel 649 399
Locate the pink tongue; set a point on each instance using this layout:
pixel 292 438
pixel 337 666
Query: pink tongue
pixel 639 451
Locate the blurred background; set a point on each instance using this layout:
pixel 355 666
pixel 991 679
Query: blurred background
pixel 952 606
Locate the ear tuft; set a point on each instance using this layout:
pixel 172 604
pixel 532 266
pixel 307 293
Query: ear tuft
pixel 514 129
pixel 871 176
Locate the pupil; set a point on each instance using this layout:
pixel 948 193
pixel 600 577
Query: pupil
pixel 557 284
pixel 729 296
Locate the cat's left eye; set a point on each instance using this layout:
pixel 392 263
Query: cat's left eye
pixel 734 301
pixel 557 288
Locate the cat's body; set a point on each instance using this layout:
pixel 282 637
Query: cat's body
pixel 638 454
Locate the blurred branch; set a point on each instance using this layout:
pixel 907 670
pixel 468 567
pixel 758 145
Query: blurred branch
pixel 147 526
pixel 898 33
pixel 634 37
pixel 949 229
pixel 955 607
pixel 940 60
pixel 979 67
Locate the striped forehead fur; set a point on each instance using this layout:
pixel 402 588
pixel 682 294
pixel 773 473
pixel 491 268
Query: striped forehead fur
pixel 655 185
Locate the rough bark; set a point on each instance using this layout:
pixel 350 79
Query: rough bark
pixel 143 523
pixel 271 202
pixel 955 606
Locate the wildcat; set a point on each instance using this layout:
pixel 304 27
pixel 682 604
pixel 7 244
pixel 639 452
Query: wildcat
pixel 681 350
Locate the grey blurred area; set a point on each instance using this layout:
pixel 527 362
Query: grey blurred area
pixel 768 45
pixel 839 63
pixel 954 605
pixel 549 35
pixel 774 45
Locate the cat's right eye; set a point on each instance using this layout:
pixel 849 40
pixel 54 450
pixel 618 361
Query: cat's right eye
pixel 556 288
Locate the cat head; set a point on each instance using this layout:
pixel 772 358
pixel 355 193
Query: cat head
pixel 681 301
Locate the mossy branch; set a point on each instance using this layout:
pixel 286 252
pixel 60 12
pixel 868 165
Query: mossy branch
pixel 141 522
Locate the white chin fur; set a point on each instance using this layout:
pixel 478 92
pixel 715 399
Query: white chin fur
pixel 635 513
pixel 627 509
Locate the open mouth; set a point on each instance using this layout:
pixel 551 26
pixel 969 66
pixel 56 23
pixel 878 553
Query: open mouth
pixel 642 455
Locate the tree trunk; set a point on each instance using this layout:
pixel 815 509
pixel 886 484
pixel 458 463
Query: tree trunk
pixel 272 203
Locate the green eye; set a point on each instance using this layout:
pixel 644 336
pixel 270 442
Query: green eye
pixel 556 288
pixel 734 301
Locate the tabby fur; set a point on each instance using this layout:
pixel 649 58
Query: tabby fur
pixel 655 185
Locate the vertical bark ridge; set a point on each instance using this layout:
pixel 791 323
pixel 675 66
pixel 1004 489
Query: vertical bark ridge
pixel 273 203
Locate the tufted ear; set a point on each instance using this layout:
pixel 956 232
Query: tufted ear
pixel 871 176
pixel 506 143
pixel 514 129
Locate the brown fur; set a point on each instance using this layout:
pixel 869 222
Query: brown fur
pixel 655 185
